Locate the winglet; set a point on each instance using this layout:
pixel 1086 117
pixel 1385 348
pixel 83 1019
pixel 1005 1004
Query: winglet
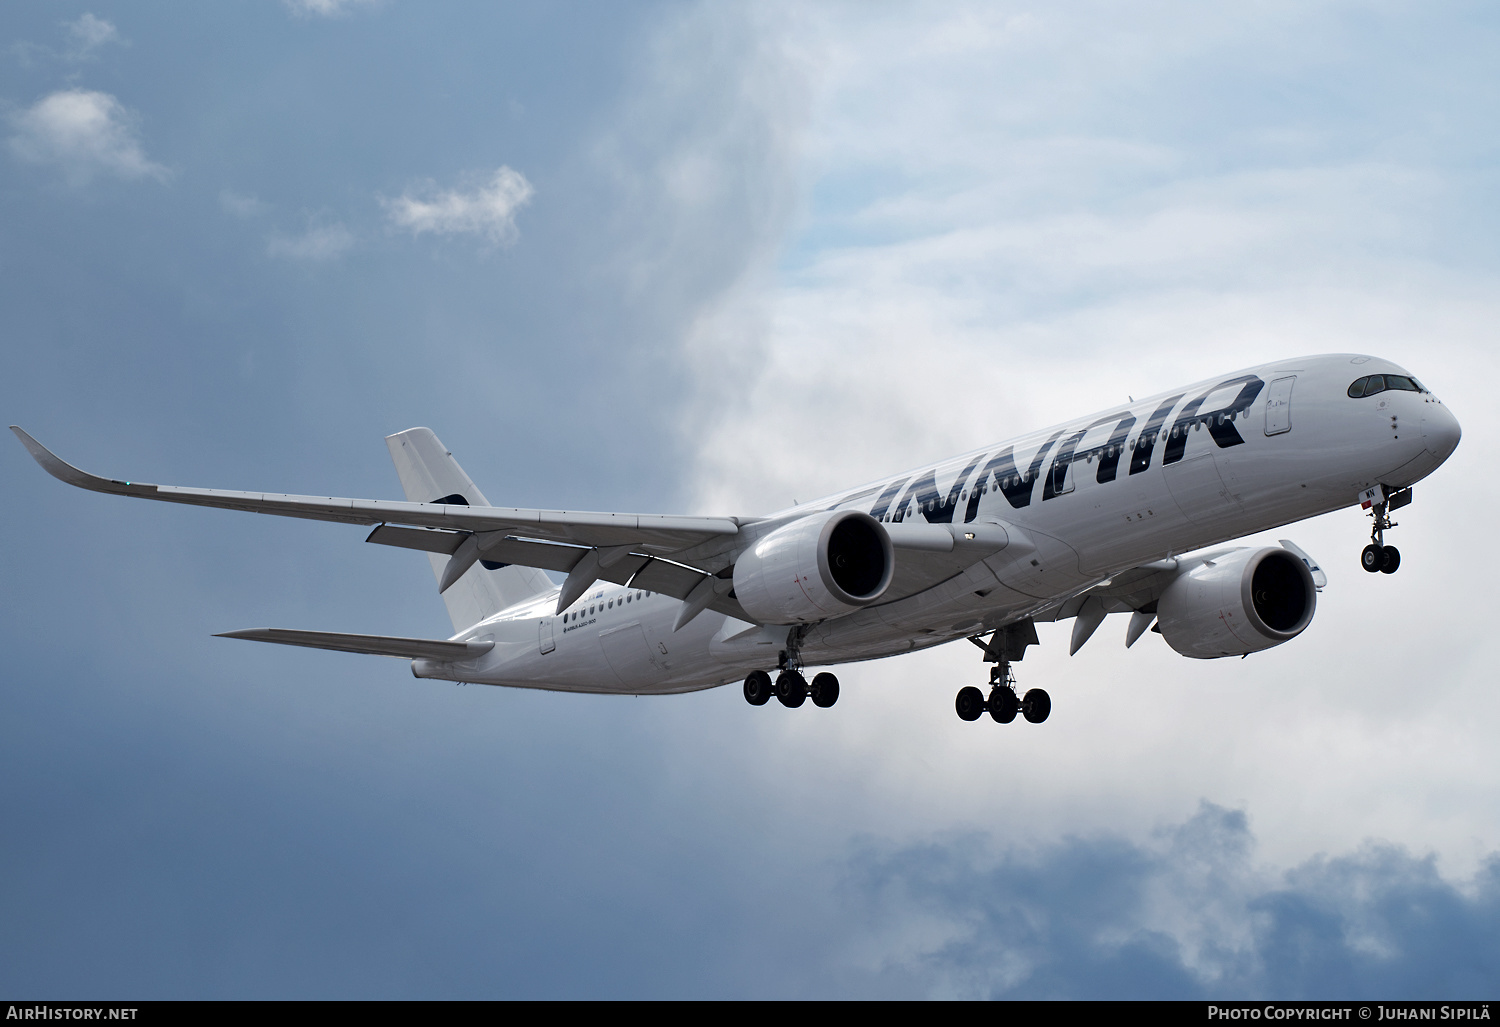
pixel 66 472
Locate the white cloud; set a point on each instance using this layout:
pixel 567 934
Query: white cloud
pixel 320 242
pixel 1010 221
pixel 489 210
pixel 324 8
pixel 241 205
pixel 83 133
pixel 88 34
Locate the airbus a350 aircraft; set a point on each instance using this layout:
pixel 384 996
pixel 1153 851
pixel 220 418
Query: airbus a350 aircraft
pixel 1087 518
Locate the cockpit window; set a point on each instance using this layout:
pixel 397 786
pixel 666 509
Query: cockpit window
pixel 1371 384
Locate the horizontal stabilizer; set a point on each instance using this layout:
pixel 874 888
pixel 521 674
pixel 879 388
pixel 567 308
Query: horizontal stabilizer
pixel 375 645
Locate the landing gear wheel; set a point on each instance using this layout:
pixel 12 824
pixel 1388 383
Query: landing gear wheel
pixel 1390 559
pixel 1036 705
pixel 825 690
pixel 791 688
pixel 758 688
pixel 1003 704
pixel 969 704
pixel 1373 558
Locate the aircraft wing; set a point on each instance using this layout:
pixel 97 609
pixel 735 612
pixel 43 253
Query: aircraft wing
pixel 662 534
pixel 681 556
pixel 375 645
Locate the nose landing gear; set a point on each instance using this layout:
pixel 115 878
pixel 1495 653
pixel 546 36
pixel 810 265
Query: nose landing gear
pixel 1377 556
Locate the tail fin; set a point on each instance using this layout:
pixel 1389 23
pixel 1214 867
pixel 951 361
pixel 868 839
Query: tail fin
pixel 429 473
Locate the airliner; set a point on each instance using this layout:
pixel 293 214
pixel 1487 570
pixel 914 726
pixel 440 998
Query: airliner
pixel 1120 512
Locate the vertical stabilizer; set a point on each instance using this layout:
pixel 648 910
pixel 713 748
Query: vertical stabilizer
pixel 430 474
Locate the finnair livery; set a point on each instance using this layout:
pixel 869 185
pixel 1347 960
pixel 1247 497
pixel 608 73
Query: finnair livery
pixel 1108 513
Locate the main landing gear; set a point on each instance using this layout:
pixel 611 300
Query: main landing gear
pixel 1377 556
pixel 1003 703
pixel 791 688
pixel 1006 645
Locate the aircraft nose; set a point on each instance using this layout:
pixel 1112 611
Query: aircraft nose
pixel 1440 430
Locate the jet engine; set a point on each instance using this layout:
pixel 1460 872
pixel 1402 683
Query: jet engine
pixel 821 566
pixel 1241 602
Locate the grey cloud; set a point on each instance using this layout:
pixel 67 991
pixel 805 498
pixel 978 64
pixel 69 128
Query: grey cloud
pixel 703 154
pixel 1185 916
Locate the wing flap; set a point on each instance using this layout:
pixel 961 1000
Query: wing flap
pixel 374 645
pixel 426 540
pixel 669 579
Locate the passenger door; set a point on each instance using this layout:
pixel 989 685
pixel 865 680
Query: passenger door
pixel 1279 406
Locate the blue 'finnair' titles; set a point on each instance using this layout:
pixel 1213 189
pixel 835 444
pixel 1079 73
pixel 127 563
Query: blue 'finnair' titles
pixel 1130 502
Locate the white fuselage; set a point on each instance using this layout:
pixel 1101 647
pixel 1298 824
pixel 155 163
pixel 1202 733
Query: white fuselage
pixel 1083 500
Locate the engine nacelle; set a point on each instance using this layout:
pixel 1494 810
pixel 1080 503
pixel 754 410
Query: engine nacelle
pixel 1242 602
pixel 824 565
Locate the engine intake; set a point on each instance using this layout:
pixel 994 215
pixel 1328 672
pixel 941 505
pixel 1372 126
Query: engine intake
pixel 1238 603
pixel 821 566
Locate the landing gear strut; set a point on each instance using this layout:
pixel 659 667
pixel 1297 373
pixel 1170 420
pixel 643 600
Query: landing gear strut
pixel 1008 644
pixel 1377 556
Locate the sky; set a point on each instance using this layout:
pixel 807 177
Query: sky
pixel 705 257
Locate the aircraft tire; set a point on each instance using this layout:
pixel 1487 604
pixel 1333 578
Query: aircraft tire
pixel 758 688
pixel 969 704
pixel 1036 705
pixel 825 690
pixel 791 689
pixel 1390 560
pixel 1003 705
pixel 1373 558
